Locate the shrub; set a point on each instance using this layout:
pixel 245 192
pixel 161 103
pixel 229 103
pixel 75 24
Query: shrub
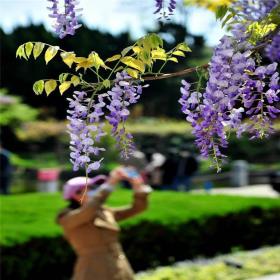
pixel 150 243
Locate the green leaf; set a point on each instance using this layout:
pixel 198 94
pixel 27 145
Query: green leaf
pixel 155 40
pixel 50 53
pixel 137 49
pixel 133 73
pixel 38 48
pixel 21 52
pixel 183 47
pixel 50 86
pixel 221 12
pixel 38 87
pixel 28 48
pixel 174 59
pixel 113 58
pixel 106 83
pixel 75 80
pixel 68 58
pixel 225 21
pixel 62 77
pixel 134 63
pixel 159 54
pixel 64 86
pixel 178 53
pixel 97 61
pixel 126 50
pixel 119 69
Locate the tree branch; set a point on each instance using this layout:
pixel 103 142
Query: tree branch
pixel 175 74
pixel 205 66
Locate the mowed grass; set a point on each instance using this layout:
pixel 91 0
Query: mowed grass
pixel 33 215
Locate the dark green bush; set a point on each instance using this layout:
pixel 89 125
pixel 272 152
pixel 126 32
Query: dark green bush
pixel 150 243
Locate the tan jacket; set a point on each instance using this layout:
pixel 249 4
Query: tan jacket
pixel 92 231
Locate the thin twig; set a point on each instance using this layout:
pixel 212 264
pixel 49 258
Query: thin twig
pixel 175 74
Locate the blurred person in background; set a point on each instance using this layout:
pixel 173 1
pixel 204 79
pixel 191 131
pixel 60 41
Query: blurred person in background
pixel 187 167
pixel 91 228
pixel 5 170
pixel 178 169
pixel 154 169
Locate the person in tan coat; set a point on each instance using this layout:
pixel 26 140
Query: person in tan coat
pixel 92 230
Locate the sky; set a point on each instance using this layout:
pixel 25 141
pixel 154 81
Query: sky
pixel 110 15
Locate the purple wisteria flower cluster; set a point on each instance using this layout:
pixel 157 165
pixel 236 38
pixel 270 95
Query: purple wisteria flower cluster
pixel 236 86
pixel 66 21
pixel 85 130
pixel 260 94
pixel 272 51
pixel 165 8
pixel 124 93
pixel 256 11
pixel 86 126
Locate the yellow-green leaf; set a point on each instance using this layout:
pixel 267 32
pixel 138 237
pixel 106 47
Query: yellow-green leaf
pixel 126 50
pixel 174 59
pixel 50 86
pixel 134 63
pixel 119 69
pixel 106 83
pixel 28 48
pixel 79 59
pixel 93 60
pixel 155 40
pixel 145 56
pixel 50 53
pixel 137 49
pixel 21 52
pixel 83 62
pixel 113 58
pixel 75 80
pixel 159 54
pixel 38 48
pixel 183 47
pixel 62 77
pixel 38 87
pixel 68 58
pixel 178 53
pixel 96 60
pixel 133 73
pixel 64 86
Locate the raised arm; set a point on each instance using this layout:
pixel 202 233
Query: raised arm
pixel 139 204
pixel 88 210
pixel 140 200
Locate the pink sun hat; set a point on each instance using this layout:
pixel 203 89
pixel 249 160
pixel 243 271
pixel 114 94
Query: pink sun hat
pixel 78 183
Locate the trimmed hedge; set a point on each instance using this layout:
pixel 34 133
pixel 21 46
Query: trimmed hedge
pixel 150 243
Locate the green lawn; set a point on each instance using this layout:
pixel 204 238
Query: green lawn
pixel 32 215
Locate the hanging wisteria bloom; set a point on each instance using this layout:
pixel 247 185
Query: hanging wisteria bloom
pixel 165 8
pixel 272 51
pixel 66 22
pixel 235 86
pixel 85 130
pixel 260 95
pixel 254 9
pixel 124 93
